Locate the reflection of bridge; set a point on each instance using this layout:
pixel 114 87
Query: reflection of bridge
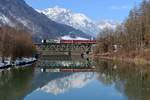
pixel 66 46
pixel 64 62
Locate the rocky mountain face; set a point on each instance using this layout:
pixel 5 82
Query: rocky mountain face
pixel 77 20
pixel 17 13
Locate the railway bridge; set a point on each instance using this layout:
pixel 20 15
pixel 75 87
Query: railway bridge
pixel 69 46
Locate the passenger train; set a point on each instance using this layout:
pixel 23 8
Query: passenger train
pixel 69 41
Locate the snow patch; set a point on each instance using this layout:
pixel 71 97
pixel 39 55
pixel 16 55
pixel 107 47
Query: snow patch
pixel 5 20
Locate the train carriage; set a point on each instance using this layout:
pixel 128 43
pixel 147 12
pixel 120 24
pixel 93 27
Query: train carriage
pixel 78 41
pixel 70 41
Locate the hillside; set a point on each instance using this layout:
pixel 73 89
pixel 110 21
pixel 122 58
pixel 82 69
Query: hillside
pixel 17 13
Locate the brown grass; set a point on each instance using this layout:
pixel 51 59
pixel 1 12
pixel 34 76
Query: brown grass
pixel 136 56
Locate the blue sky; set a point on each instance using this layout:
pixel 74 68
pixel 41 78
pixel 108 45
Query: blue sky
pixel 116 10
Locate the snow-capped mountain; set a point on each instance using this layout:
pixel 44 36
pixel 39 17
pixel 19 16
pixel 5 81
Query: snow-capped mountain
pixel 76 20
pixel 19 14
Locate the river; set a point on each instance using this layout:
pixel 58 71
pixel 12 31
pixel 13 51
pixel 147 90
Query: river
pixel 110 81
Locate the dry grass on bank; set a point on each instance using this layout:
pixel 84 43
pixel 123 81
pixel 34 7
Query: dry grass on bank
pixel 137 56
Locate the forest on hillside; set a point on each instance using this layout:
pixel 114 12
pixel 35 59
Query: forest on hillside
pixel 132 35
pixel 15 43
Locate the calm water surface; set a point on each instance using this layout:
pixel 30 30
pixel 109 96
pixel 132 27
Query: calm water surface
pixel 112 81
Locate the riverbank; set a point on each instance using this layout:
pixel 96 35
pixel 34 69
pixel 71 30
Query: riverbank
pixel 19 62
pixel 137 57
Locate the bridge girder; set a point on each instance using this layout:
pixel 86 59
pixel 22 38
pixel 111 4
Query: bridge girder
pixel 64 47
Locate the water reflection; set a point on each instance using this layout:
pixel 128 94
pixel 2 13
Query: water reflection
pixel 14 84
pixel 65 61
pixel 130 79
pixel 112 81
pixel 61 85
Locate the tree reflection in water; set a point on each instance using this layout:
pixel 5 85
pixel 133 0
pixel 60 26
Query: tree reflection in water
pixel 14 84
pixel 130 79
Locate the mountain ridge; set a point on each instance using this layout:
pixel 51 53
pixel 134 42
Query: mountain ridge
pixel 17 13
pixel 77 20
